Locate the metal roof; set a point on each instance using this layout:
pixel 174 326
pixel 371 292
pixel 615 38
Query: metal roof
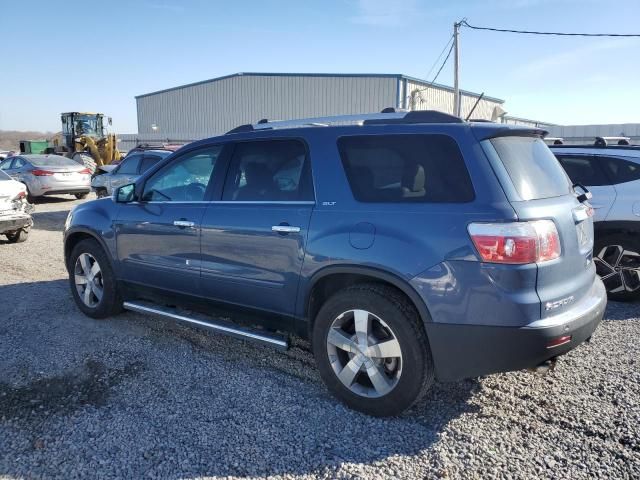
pixel 353 75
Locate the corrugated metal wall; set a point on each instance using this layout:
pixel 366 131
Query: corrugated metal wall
pixel 214 107
pixel 421 96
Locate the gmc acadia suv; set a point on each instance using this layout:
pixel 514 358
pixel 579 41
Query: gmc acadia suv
pixel 407 247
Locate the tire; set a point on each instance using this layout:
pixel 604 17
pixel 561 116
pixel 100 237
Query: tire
pixel 101 193
pixel 95 305
pixel 398 381
pixel 81 196
pixel 18 236
pixel 617 259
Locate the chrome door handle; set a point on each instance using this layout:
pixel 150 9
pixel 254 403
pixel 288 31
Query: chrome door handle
pixel 285 229
pixel 183 223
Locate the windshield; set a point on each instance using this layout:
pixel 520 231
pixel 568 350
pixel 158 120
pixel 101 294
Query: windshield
pixel 4 176
pixel 88 125
pixel 533 169
pixel 52 161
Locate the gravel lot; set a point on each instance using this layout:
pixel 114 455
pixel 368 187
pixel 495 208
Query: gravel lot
pixel 135 397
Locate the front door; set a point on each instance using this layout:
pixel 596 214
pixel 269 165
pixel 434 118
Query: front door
pixel 158 236
pixel 253 241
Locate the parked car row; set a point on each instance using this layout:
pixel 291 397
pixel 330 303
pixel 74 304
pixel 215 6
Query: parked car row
pixel 407 247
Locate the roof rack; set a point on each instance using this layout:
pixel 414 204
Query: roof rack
pixel 389 115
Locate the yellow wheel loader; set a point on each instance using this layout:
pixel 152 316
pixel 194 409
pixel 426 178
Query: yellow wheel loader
pixel 84 138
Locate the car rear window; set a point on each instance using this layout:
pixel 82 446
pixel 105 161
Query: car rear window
pixel 405 168
pixel 533 169
pixel 52 161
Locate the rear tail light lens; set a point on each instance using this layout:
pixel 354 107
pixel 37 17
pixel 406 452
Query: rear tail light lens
pixel 517 242
pixel 41 173
pixel 86 171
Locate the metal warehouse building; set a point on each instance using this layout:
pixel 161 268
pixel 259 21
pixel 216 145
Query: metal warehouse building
pixel 211 107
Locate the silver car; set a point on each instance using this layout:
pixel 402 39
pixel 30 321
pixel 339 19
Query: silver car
pixel 49 175
pixel 612 175
pixel 135 164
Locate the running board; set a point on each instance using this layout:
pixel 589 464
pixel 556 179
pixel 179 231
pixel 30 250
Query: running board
pixel 226 328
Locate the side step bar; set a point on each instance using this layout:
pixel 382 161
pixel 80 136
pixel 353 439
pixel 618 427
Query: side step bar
pixel 227 328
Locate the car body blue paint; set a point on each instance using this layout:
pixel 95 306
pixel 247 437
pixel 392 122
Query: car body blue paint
pixel 232 255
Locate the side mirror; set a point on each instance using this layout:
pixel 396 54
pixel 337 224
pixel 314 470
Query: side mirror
pixel 125 193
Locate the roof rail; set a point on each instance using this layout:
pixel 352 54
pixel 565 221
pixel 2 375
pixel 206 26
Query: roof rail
pixel 604 141
pixel 389 115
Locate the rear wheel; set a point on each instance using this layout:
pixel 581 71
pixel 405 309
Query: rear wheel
pixel 371 350
pixel 617 259
pixel 18 236
pixel 93 283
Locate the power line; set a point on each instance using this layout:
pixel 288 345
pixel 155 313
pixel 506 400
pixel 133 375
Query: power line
pixel 562 34
pixel 439 56
pixel 437 74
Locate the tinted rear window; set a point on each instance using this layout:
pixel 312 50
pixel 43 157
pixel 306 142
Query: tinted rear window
pixel 533 169
pixel 622 171
pixel 52 161
pixel 405 168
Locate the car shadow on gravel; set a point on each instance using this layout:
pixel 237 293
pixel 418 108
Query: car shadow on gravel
pixel 52 221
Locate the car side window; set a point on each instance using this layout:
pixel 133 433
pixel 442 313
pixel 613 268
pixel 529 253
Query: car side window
pixel 269 171
pixel 620 170
pixel 149 161
pixel 129 165
pixel 6 164
pixel 186 179
pixel 584 169
pixel 401 168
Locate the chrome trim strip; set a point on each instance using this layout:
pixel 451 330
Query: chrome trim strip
pixel 234 202
pixel 285 229
pixel 237 332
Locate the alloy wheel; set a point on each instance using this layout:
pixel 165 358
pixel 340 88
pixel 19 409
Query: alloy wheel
pixel 88 280
pixel 364 353
pixel 618 268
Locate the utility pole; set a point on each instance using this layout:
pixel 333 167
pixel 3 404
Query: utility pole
pixel 456 68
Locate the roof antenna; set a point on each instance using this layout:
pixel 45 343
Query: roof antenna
pixel 474 107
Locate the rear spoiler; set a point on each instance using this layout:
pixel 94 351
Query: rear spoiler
pixel 514 132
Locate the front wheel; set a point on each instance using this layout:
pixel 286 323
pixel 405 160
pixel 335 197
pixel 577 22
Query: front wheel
pixel 372 351
pixel 617 259
pixel 93 283
pixel 18 236
pixel 81 196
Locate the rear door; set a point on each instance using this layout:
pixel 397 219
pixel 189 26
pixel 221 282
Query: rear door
pixel 158 237
pixel 253 241
pixel 587 170
pixel 538 188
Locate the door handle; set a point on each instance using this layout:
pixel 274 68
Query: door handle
pixel 285 229
pixel 184 223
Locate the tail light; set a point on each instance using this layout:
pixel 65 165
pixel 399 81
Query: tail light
pixel 517 242
pixel 41 173
pixel 86 171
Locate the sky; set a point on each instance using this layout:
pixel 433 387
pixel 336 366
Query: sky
pixel 97 56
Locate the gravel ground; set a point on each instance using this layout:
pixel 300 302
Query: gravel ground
pixel 135 397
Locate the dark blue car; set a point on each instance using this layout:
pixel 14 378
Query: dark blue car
pixel 407 247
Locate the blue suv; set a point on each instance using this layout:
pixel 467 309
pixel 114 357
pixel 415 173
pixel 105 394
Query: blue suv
pixel 408 247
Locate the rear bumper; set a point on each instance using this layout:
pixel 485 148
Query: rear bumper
pixel 464 351
pixel 67 191
pixel 14 222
